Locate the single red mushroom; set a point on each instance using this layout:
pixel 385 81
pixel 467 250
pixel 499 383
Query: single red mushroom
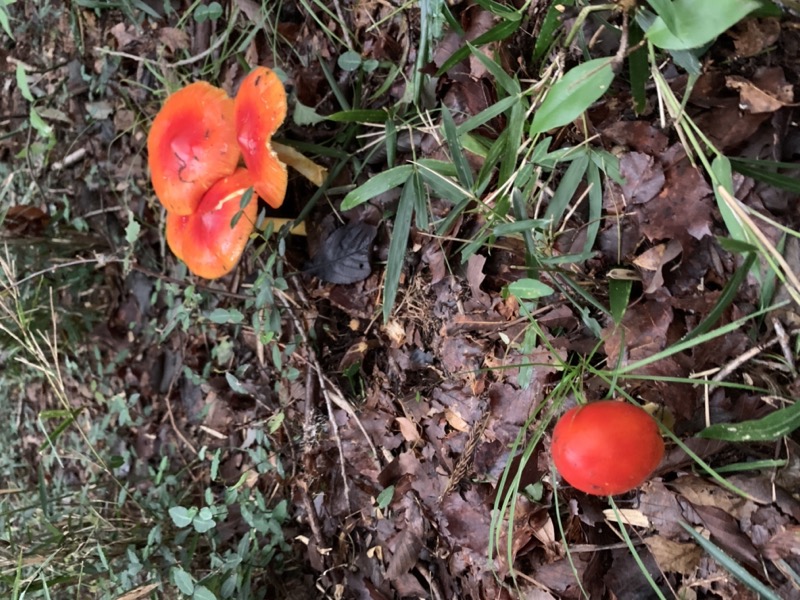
pixel 606 448
pixel 259 109
pixel 191 145
pixel 205 239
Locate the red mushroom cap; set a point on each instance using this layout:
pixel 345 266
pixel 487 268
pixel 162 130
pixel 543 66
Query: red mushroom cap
pixel 259 109
pixel 192 144
pixel 607 447
pixel 205 240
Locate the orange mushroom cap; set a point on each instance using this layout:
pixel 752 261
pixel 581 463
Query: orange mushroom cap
pixel 205 240
pixel 192 144
pixel 259 109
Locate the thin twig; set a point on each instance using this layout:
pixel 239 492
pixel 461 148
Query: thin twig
pixel 180 63
pixel 737 362
pixel 784 342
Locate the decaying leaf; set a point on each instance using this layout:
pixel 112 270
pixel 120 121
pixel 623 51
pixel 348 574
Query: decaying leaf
pixel 343 257
pixel 674 556
pixel 768 92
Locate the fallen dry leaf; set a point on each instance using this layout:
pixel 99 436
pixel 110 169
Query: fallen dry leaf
pixel 752 36
pixel 674 557
pixel 630 516
pixel 408 430
pixel 768 92
pixel 653 260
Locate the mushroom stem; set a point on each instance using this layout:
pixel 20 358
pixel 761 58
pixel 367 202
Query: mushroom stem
pixel 278 222
pixel 315 173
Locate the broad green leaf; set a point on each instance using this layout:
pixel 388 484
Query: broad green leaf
pixel 638 69
pixel 619 294
pixel 521 226
pixel 500 10
pixel 132 230
pixel 204 521
pixel 183 580
pixel 774 426
pixel 689 24
pixel 182 517
pixel 503 79
pixel 573 94
pixel 765 170
pixel 548 29
pixel 40 124
pixel 201 592
pixel 222 315
pixel 235 384
pixel 514 132
pixel 305 115
pixel 385 497
pixel 349 61
pixel 595 205
pixel 22 83
pixel 529 289
pixel 4 22
pixel 381 183
pixel 443 186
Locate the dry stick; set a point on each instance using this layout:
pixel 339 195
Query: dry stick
pixel 309 432
pixel 436 592
pixel 465 460
pixel 331 394
pixel 345 31
pixel 181 63
pixel 743 358
pixel 783 339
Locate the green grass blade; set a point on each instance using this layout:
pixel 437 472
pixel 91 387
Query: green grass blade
pixel 453 143
pixel 684 345
pixel 550 26
pixel 632 548
pixel 503 79
pixel 730 565
pixel 487 114
pixel 398 246
pixel 359 115
pixel 764 171
pixel 566 190
pixel 499 32
pixel 728 295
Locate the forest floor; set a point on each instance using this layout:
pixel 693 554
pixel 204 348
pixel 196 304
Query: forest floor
pixel 293 430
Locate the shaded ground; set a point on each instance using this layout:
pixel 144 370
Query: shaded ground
pixel 304 397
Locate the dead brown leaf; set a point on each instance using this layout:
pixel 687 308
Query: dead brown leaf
pixel 638 135
pixel 752 36
pixel 644 178
pixel 174 39
pixel 653 260
pixel 408 430
pixel 768 92
pixel 674 557
pixel 406 554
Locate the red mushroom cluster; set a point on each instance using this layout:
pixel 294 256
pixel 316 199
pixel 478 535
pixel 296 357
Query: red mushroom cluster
pixel 195 146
